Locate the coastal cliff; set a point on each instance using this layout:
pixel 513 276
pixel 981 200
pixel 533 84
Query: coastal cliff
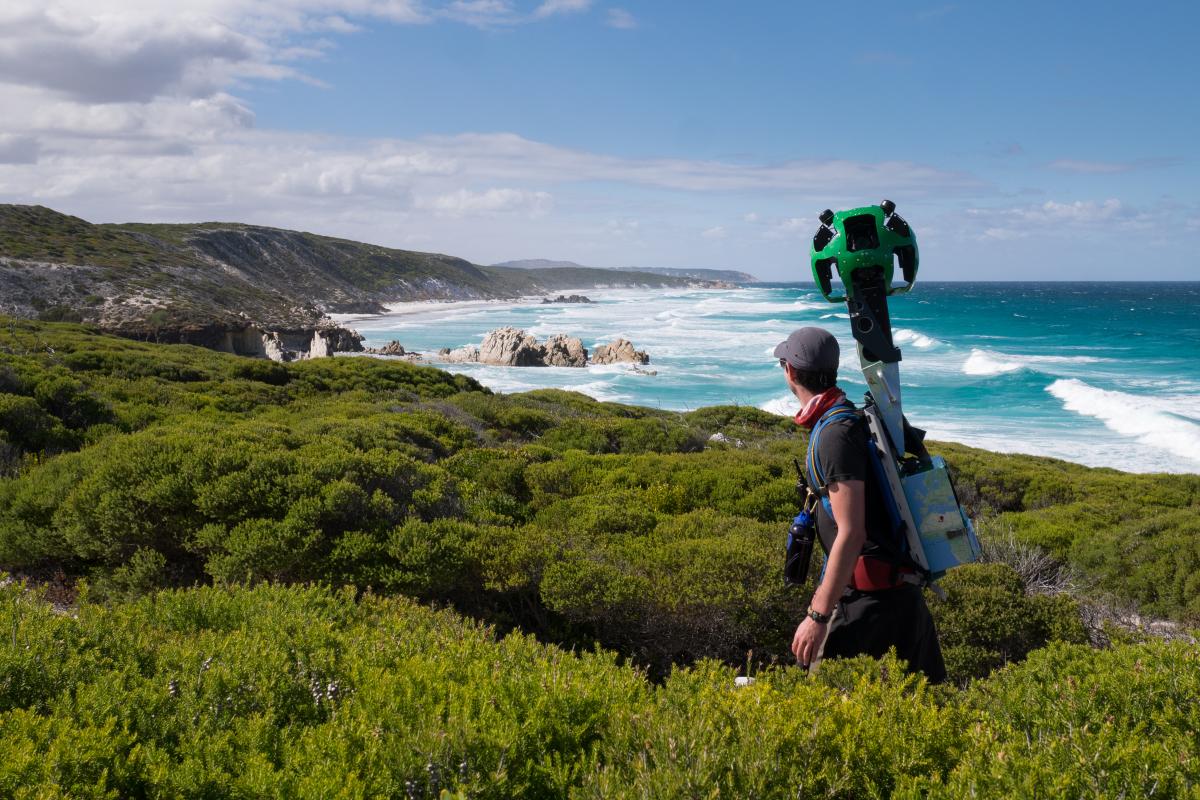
pixel 241 288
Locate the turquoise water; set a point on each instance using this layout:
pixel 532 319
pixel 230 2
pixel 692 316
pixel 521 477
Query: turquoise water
pixel 1102 374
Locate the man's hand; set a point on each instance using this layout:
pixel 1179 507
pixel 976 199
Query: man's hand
pixel 847 499
pixel 807 641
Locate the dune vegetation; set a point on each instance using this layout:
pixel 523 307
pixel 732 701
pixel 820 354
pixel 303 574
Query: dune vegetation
pixel 365 578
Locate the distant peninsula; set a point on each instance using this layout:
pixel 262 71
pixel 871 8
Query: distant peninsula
pixel 243 288
pixel 691 273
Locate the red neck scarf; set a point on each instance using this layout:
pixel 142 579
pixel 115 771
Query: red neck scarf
pixel 818 405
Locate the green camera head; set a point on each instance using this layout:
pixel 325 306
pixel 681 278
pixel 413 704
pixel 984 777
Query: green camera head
pixel 863 240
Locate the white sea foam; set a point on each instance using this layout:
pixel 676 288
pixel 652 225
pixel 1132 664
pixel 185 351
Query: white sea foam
pixel 786 406
pixel 980 362
pixel 1151 421
pixel 711 347
pixel 990 362
pixel 915 338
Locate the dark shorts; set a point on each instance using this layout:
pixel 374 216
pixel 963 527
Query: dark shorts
pixel 868 623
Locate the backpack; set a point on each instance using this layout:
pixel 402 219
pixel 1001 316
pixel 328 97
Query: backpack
pixel 894 544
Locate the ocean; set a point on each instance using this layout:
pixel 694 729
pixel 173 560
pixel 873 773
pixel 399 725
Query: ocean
pixel 1103 374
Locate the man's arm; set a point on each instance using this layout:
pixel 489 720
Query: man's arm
pixel 848 500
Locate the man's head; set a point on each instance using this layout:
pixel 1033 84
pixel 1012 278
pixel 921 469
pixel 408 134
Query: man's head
pixel 809 358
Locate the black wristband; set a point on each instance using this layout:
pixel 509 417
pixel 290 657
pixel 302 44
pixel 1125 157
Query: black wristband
pixel 818 617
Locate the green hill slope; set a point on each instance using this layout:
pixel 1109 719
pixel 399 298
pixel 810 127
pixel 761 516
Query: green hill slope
pixel 196 283
pixel 144 465
pixel 250 490
pixel 302 692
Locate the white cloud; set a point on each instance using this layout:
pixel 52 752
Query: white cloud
pixel 1003 234
pixel 715 232
pixel 18 149
pixel 481 13
pixel 1055 213
pixel 751 218
pixel 1019 222
pixel 493 201
pixel 129 110
pixel 791 226
pixel 621 19
pixel 551 7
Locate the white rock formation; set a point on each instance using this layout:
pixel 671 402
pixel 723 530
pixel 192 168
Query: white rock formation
pixel 510 347
pixel 564 351
pixel 619 351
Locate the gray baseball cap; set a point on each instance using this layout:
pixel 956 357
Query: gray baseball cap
pixel 811 350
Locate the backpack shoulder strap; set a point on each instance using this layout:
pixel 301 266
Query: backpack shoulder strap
pixel 816 476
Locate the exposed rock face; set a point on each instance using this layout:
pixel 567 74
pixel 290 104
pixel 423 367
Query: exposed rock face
pixel 327 341
pixel 511 347
pixel 563 298
pixel 252 290
pixel 288 345
pixel 392 348
pixel 619 351
pixel 460 355
pixel 564 351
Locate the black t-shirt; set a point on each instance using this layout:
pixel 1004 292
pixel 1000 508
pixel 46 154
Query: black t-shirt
pixel 842 456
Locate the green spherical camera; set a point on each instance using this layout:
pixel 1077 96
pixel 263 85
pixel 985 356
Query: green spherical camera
pixel 865 245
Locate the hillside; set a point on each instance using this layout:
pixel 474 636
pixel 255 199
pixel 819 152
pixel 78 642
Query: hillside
pixel 624 566
pixel 700 273
pixel 235 287
pixel 539 263
pixel 696 273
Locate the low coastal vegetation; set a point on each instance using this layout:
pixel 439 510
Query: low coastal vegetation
pixel 259 545
pixel 199 283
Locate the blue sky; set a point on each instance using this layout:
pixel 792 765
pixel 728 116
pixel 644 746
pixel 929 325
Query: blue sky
pixel 1022 140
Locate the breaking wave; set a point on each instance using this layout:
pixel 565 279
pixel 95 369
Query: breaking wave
pixel 987 362
pixel 1151 421
pixel 915 338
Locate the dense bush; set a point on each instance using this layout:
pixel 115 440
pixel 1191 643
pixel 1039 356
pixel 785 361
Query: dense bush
pixel 548 511
pixel 305 692
pixel 988 620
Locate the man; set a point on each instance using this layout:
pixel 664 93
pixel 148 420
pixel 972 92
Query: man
pixel 868 600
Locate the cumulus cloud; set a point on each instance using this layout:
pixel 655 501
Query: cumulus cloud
pixel 715 232
pixel 138 50
pixel 130 110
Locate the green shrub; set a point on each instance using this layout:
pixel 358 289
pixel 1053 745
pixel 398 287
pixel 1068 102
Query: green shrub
pixel 26 425
pixel 988 620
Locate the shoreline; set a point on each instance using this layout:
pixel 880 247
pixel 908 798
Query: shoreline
pixel 411 307
pixel 712 347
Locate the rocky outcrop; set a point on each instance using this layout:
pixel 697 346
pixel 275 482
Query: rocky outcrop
pixel 567 298
pixel 564 351
pixel 392 348
pixel 512 347
pixel 288 345
pixel 619 351
pixel 468 354
pixel 252 290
